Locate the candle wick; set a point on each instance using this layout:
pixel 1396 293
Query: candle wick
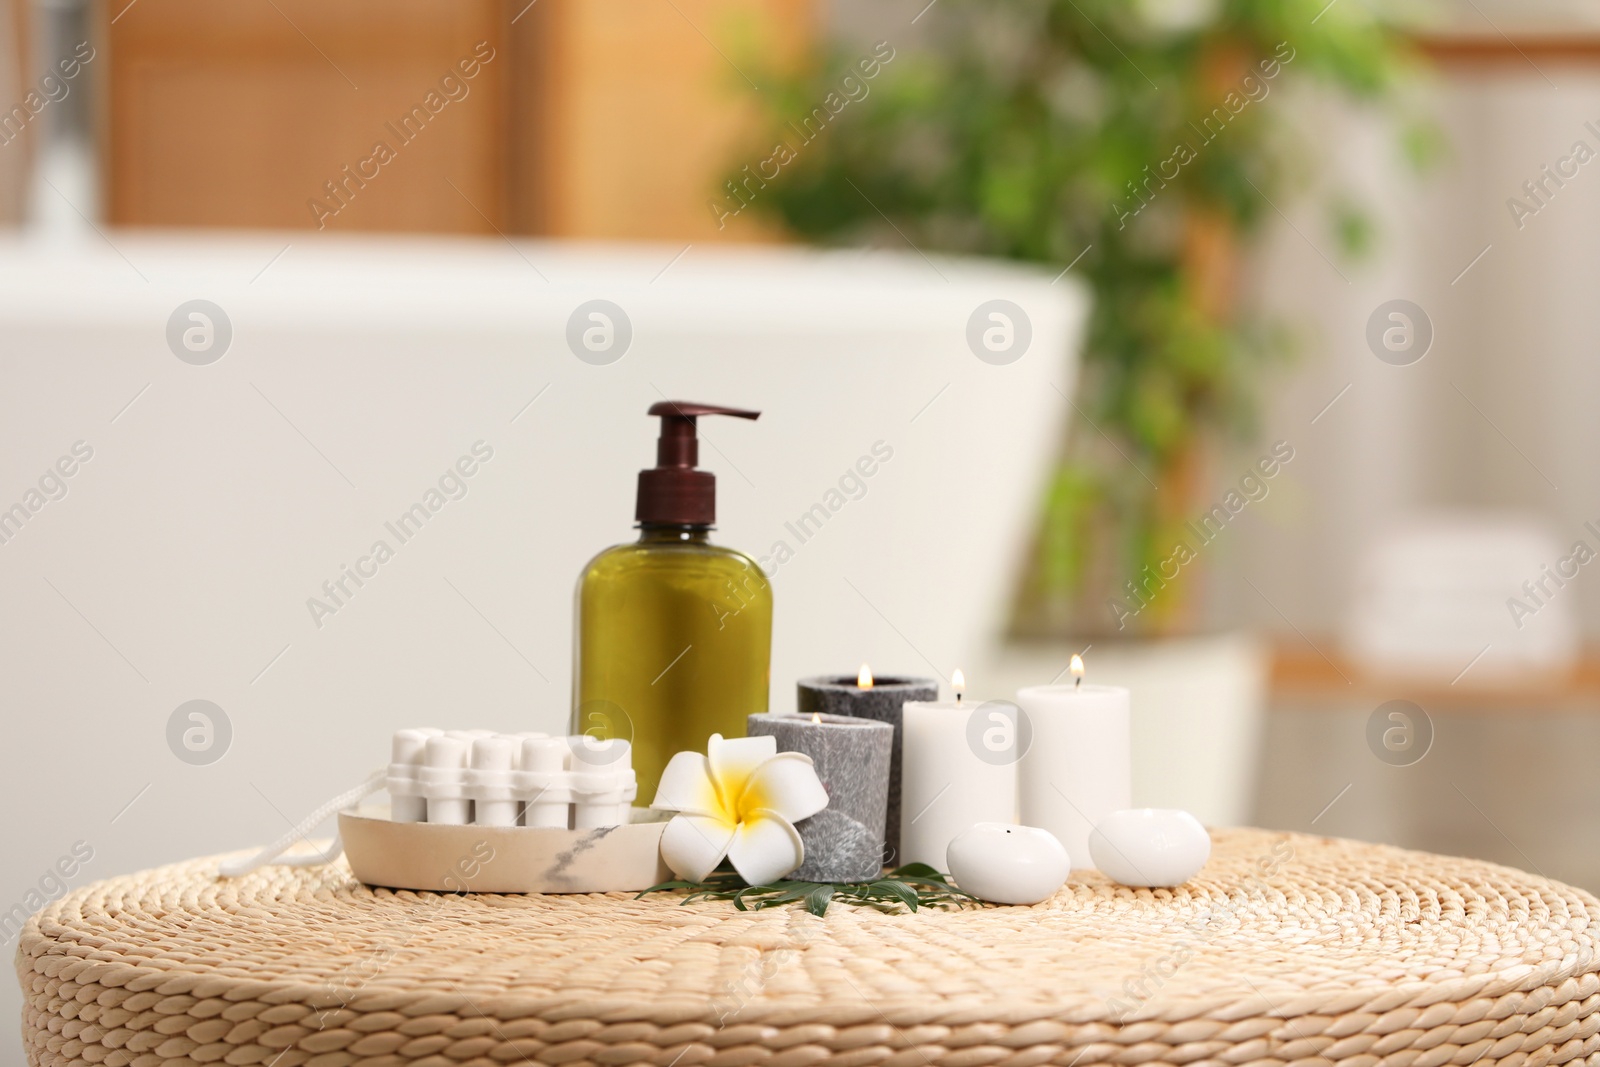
pixel 1076 682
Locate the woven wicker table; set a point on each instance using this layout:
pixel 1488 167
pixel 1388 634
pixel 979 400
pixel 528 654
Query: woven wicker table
pixel 1287 949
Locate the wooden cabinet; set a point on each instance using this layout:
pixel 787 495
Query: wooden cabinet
pixel 608 118
pixel 641 107
pixel 255 112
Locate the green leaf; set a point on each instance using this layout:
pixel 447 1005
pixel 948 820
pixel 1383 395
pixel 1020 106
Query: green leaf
pixel 910 888
pixel 917 870
pixel 898 890
pixel 817 900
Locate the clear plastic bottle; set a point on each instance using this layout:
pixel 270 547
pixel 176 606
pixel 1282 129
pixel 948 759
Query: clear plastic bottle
pixel 673 634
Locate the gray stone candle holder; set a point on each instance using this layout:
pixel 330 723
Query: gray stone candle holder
pixel 840 695
pixel 844 841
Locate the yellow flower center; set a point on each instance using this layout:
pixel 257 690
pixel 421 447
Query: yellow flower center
pixel 738 798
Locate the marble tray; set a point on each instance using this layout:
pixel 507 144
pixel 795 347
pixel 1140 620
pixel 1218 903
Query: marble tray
pixel 504 859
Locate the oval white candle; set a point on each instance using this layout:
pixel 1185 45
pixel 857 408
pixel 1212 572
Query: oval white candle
pixel 1007 864
pixel 1152 847
pixel 1079 767
pixel 946 785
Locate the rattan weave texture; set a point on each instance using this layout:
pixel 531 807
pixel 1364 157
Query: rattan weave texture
pixel 1286 949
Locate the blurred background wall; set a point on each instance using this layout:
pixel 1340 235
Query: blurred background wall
pixel 1493 422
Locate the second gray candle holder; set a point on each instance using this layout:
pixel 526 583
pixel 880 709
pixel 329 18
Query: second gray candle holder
pixel 882 701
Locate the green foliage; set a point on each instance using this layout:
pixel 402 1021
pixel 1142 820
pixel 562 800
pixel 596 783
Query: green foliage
pixel 916 885
pixel 1145 136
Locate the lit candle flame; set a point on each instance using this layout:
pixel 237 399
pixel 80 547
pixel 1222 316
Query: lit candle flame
pixel 816 716
pixel 1077 670
pixel 864 677
pixel 958 682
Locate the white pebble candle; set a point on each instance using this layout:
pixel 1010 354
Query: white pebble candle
pixel 952 777
pixel 1078 767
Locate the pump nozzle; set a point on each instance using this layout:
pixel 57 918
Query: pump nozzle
pixel 674 491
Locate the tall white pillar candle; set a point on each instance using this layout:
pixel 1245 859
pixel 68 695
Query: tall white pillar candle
pixel 953 774
pixel 1078 767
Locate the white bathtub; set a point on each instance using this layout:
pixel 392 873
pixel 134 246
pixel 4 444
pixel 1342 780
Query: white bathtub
pixel 220 498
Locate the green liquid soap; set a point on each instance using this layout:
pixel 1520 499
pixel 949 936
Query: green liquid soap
pixel 673 634
pixel 674 642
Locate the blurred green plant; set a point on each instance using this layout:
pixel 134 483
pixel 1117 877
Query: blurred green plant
pixel 1137 142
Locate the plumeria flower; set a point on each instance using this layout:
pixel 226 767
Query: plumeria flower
pixel 740 800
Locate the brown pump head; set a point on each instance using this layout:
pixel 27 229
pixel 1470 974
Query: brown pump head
pixel 673 491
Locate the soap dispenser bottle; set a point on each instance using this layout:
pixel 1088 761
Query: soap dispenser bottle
pixel 673 635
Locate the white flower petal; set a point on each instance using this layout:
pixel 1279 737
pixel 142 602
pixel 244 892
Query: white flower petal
pixel 686 786
pixel 693 845
pixel 786 784
pixel 765 848
pixel 733 760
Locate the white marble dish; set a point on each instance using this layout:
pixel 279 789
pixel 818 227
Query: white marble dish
pixel 504 859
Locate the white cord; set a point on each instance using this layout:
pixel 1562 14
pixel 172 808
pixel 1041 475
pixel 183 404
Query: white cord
pixel 348 799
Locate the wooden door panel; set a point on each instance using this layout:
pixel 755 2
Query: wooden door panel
pixel 242 113
pixel 644 105
pixel 593 118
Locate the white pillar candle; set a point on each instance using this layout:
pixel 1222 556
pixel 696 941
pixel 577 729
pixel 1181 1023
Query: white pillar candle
pixel 1078 767
pixel 495 754
pixel 953 775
